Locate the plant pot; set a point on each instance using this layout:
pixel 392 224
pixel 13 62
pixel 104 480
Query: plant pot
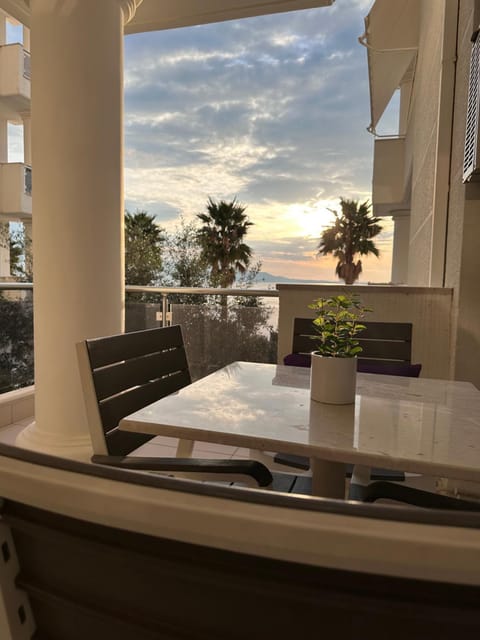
pixel 333 380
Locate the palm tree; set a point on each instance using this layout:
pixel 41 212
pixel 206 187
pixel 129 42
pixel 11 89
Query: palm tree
pixel 221 239
pixel 351 234
pixel 143 248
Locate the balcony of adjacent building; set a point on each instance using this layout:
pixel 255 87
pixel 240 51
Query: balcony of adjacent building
pixel 14 80
pixel 15 191
pixel 390 176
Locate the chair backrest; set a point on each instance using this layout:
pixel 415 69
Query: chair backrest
pixel 380 341
pixel 387 348
pixel 123 373
pixel 86 580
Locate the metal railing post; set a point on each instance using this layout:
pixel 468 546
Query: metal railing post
pixel 164 309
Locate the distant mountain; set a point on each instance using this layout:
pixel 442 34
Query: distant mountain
pixel 264 276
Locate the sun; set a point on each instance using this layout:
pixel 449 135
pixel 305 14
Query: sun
pixel 309 220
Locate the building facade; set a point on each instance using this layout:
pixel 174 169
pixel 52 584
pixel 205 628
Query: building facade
pixel 423 49
pixel 15 177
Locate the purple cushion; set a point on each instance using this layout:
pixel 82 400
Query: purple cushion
pixel 297 360
pixel 390 368
pixel 364 366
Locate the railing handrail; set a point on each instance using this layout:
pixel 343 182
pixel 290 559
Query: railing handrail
pixel 262 293
pixel 210 291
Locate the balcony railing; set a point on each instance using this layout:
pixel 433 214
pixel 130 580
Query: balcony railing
pixel 15 83
pixel 27 65
pixel 15 190
pixel 219 326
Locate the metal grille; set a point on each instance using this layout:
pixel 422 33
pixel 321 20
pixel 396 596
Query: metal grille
pixel 470 163
pixel 27 67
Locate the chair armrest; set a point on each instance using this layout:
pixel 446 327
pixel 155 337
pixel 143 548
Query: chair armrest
pixel 418 497
pixel 251 468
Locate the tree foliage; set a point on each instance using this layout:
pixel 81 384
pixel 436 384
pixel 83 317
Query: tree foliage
pixel 16 344
pixel 143 249
pixel 221 236
pixel 350 235
pixel 21 256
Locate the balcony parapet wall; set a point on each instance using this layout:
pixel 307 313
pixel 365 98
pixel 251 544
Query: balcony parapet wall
pixel 428 309
pixel 16 405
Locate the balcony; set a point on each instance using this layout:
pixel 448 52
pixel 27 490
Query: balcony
pixel 389 188
pixel 15 191
pixel 14 80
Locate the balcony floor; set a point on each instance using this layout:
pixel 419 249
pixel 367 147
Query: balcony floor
pixel 164 446
pixel 159 446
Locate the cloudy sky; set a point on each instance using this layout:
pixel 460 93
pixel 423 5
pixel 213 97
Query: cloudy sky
pixel 271 110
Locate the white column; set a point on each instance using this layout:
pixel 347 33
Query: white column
pixel 3 140
pixel 401 242
pixel 77 152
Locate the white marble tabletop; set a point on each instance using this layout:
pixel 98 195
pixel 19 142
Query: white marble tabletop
pixel 411 424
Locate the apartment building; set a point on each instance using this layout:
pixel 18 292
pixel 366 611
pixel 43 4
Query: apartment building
pixel 15 177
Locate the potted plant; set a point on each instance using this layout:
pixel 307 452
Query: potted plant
pixel 334 362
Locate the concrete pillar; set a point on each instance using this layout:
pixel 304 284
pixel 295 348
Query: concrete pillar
pixel 401 241
pixel 3 140
pixel 77 152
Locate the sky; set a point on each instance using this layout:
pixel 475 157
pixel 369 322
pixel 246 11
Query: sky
pixel 271 111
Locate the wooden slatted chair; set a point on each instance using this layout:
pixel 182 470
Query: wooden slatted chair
pixel 123 373
pixel 387 347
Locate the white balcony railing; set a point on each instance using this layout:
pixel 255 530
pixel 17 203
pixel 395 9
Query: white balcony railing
pixel 389 176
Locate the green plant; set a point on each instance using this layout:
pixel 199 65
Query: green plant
pixel 337 324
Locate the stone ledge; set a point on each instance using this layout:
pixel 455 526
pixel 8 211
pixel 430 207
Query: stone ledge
pixel 16 405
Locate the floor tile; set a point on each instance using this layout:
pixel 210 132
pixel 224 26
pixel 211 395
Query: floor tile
pixel 211 455
pixel 154 451
pixel 164 441
pixel 225 450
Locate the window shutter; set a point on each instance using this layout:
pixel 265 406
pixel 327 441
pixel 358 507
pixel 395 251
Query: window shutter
pixel 471 165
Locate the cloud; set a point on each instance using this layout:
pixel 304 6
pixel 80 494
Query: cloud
pixel 270 109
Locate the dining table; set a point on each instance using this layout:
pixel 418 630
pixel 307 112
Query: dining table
pixel 419 425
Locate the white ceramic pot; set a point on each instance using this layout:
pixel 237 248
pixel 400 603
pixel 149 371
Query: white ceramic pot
pixel 333 380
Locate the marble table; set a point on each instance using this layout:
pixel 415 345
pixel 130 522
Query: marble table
pixel 410 424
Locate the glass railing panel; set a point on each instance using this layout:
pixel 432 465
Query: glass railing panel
pixel 215 335
pixel 142 315
pixel 16 340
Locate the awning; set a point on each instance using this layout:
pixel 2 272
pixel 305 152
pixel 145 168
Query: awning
pixel 391 38
pixel 168 14
pixel 153 15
